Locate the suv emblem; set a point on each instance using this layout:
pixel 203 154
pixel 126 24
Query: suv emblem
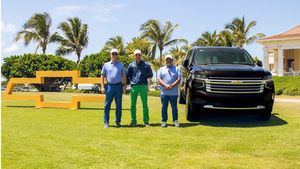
pixel 236 82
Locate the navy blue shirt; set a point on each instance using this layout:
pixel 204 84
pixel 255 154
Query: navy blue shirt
pixel 138 73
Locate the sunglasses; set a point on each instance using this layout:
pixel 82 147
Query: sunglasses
pixel 137 54
pixel 114 54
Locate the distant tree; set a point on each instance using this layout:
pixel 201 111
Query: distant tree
pixel 91 65
pixel 115 42
pixel 140 43
pixel 255 59
pixel 159 35
pixel 26 66
pixel 74 39
pixel 36 29
pixel 155 66
pixel 178 53
pixel 208 39
pixel 225 38
pixel 240 32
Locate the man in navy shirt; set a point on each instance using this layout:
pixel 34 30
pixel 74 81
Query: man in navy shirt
pixel 169 77
pixel 138 72
pixel 114 73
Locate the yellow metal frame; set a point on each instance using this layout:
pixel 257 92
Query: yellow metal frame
pixel 39 98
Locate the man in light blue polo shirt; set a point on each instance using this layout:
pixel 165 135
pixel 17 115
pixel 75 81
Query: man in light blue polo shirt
pixel 115 75
pixel 169 78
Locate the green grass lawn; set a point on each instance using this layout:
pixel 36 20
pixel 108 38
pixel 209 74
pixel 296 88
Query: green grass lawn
pixel 62 138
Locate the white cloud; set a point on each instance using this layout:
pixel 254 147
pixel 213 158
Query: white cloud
pixel 11 48
pixel 8 27
pixel 98 10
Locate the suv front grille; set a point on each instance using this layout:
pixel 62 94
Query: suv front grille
pixel 234 86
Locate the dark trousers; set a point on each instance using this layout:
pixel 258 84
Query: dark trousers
pixel 165 103
pixel 113 91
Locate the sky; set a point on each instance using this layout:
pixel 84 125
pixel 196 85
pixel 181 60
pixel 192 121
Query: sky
pixel 108 18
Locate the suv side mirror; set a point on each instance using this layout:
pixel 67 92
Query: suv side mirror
pixel 259 63
pixel 185 63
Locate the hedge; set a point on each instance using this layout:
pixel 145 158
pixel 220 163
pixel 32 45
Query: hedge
pixel 287 85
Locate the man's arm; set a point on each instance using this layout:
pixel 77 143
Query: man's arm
pixel 161 82
pixel 176 82
pixel 150 73
pixel 124 79
pixel 178 79
pixel 103 79
pixel 129 72
pixel 168 87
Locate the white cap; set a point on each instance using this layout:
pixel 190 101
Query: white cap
pixel 137 52
pixel 114 51
pixel 169 56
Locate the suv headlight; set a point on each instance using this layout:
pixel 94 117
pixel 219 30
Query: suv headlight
pixel 199 76
pixel 198 81
pixel 269 83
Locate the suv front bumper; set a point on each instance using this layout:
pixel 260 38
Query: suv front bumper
pixel 216 101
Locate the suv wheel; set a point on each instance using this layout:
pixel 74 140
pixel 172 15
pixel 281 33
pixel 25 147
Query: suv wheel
pixel 181 98
pixel 265 114
pixel 190 113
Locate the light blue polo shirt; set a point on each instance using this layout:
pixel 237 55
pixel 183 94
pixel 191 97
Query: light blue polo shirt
pixel 113 72
pixel 169 75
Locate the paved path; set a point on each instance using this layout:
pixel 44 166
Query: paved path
pixel 287 100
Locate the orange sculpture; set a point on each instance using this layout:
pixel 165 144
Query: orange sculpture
pixel 39 98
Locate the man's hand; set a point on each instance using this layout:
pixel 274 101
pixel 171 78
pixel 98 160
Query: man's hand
pixel 168 87
pixel 124 89
pixel 102 90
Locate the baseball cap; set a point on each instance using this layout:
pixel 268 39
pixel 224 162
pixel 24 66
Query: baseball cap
pixel 137 52
pixel 169 56
pixel 114 51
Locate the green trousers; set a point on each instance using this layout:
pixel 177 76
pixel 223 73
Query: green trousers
pixel 143 91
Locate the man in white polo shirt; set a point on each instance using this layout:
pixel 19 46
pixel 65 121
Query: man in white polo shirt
pixel 115 75
pixel 169 78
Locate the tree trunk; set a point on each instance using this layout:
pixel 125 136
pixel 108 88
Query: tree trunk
pixel 78 59
pixel 156 76
pixel 44 50
pixel 160 57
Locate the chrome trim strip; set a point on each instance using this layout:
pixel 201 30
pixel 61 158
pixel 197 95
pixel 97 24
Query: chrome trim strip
pixel 236 78
pixel 235 86
pixel 211 82
pixel 234 108
pixel 234 92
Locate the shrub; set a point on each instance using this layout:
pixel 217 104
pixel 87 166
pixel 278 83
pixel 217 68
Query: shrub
pixel 154 93
pixel 287 85
pixel 26 66
pixel 91 65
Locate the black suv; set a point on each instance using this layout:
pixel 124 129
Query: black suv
pixel 225 78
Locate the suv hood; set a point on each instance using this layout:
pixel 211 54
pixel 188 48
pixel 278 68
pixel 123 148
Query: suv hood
pixel 238 71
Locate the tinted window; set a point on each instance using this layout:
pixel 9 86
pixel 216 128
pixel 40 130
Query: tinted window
pixel 204 56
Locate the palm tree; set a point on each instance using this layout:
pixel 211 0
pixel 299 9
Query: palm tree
pixel 36 29
pixel 159 35
pixel 178 53
pixel 140 43
pixel 74 39
pixel 208 39
pixel 155 66
pixel 115 42
pixel 240 31
pixel 225 38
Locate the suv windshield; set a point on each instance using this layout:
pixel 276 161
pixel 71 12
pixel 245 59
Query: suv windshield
pixel 205 56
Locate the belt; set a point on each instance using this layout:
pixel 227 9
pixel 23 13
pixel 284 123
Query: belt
pixel 114 83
